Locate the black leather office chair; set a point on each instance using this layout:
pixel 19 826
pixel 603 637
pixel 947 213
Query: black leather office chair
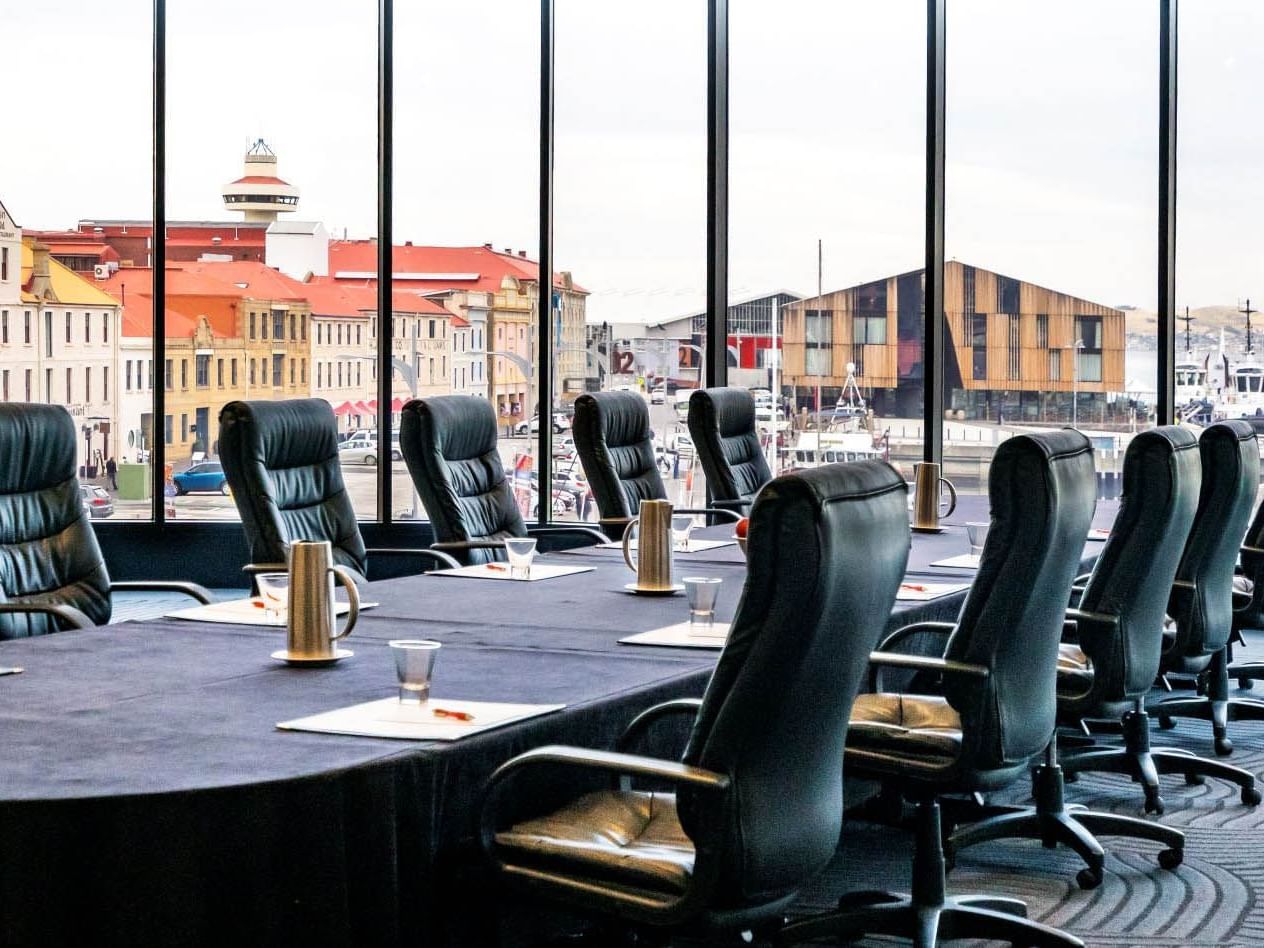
pixel 1202 599
pixel 281 460
pixel 1248 595
pixel 1109 668
pixel 52 574
pixel 760 800
pixel 722 428
pixel 449 444
pixel 998 707
pixel 612 439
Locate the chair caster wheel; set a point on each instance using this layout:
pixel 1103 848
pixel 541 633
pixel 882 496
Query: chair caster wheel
pixel 1251 796
pixel 1224 746
pixel 1195 780
pixel 1089 878
pixel 1246 684
pixel 1171 858
pixel 1072 777
pixel 1166 723
pixel 1154 804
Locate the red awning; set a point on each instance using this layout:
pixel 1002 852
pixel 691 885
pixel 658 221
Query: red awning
pixel 346 408
pixel 364 409
pixel 397 404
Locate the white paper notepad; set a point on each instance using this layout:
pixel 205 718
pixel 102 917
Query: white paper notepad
pixel 417 722
pixel 539 571
pixel 682 635
pixel 245 612
pixel 695 546
pixel 922 592
pixel 964 561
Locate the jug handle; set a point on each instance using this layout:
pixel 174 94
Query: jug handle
pixel 952 496
pixel 353 597
pixel 627 542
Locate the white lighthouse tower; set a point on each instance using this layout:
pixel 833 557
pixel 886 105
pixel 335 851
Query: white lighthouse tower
pixel 259 194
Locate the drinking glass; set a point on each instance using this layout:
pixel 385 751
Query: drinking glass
pixel 521 552
pixel 977 532
pixel 274 588
pixel 702 592
pixel 682 526
pixel 414 663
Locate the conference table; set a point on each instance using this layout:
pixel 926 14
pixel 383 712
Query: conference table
pixel 147 796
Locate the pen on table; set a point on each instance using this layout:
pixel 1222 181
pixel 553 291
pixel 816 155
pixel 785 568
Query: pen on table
pixel 496 566
pixel 12 671
pixel 913 586
pixel 458 715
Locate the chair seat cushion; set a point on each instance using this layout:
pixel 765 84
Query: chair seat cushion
pixel 921 726
pixel 623 836
pixel 1075 670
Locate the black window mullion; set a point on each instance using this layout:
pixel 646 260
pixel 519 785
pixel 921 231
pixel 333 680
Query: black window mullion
pixel 1166 368
pixel 716 343
pixel 933 354
pixel 544 297
pixel 385 238
pixel 158 445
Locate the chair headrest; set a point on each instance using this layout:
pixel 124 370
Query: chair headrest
pixel 464 427
pixel 731 410
pixel 43 440
pixel 291 433
pixel 620 418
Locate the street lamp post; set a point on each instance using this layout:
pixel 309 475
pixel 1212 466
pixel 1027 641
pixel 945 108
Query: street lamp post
pixel 1075 348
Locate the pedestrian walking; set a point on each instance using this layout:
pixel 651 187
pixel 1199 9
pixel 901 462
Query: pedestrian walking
pixel 111 471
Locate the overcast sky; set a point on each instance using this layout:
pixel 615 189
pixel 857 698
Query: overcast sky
pixel 1052 133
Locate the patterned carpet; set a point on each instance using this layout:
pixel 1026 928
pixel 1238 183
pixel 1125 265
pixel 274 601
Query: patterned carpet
pixel 1210 900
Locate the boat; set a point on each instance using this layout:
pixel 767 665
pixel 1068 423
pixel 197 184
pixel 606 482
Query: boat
pixel 813 449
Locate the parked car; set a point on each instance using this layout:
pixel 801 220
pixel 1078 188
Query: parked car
pixel 207 477
pixel 357 450
pixel 561 422
pixel 96 502
pixel 658 396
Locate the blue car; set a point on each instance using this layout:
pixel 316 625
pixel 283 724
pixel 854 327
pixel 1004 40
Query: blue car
pixel 205 477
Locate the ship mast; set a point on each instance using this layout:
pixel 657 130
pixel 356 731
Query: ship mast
pixel 1247 311
pixel 1187 320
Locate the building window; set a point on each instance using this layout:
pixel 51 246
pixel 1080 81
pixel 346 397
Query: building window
pixel 320 374
pixel 358 334
pixel 978 342
pixel 293 328
pixel 105 324
pixel 151 374
pixel 292 361
pixel 340 375
pixel 166 429
pixel 184 373
pixel 87 327
pixel 278 325
pixel 232 369
pixel 48 386
pixel 340 334
pixel 184 428
pixel 1042 330
pixel 1088 330
pixel 1055 365
pixel 252 371
pixel 432 329
pixel 26 326
pixel 70 386
pixel 264 326
pixel 28 385
pixel 252 325
pixel 4 269
pixel 67 326
pixel 302 372
pixel 818 326
pixel 48 333
pixel 1015 347
pixel 869 330
pixel 302 325
pixel 105 383
pixel 4 328
pixel 278 370
pixel 87 383
pixel 219 372
pixel 358 376
pixel 127 375
pixel 201 370
pixel 6 385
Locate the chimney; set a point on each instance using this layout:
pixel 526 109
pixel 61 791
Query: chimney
pixel 408 243
pixel 41 283
pixel 509 250
pixel 487 246
pixel 523 254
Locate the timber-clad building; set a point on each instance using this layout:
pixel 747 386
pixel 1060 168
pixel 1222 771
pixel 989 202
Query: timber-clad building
pixel 1010 347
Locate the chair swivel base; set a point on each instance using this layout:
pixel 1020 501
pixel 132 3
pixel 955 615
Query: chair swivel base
pixel 1144 765
pixel 928 915
pixel 1219 711
pixel 1052 822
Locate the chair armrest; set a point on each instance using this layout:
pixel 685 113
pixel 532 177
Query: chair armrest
pixel 927 663
pixel 460 545
pixel 252 569
pixel 68 614
pixel 738 505
pixel 902 633
pixel 1241 599
pixel 192 590
pixel 588 533
pixel 732 516
pixel 1089 625
pixel 610 762
pixel 436 555
pixel 641 723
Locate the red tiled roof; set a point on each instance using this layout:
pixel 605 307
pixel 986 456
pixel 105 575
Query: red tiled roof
pixel 491 266
pixel 330 297
pixel 259 179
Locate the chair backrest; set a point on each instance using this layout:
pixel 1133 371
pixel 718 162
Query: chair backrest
pixel 722 426
pixel 48 551
pixel 1132 578
pixel 828 548
pixel 612 439
pixel 1042 491
pixel 449 444
pixel 1231 477
pixel 281 461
